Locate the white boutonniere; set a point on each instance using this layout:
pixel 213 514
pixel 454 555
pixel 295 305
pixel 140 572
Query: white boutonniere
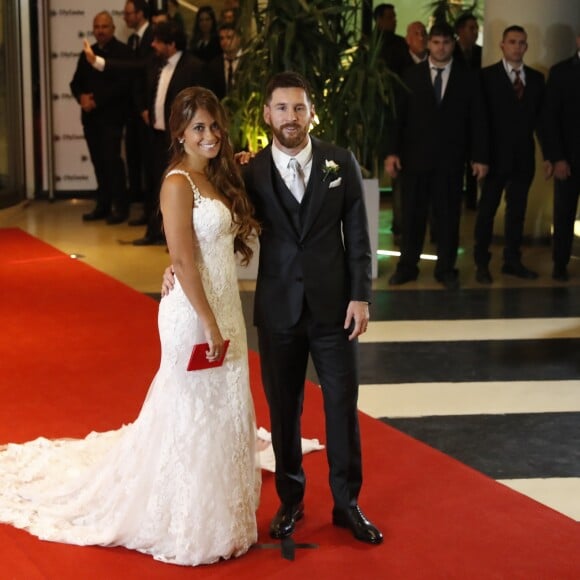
pixel 330 169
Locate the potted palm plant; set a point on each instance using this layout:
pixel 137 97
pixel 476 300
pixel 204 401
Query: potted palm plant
pixel 352 88
pixel 320 40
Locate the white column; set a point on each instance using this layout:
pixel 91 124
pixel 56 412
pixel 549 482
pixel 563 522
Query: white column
pixel 552 26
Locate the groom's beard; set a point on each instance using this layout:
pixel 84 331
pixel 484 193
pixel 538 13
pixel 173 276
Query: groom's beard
pixel 290 141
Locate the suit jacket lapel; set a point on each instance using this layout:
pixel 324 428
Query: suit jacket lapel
pixel 318 186
pixel 265 183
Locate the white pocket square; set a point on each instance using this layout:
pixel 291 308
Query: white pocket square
pixel 335 183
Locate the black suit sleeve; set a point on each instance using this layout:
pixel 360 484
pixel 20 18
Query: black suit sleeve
pixel 552 122
pixel 356 233
pixel 479 130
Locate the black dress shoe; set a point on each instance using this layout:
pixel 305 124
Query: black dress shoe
pixel 361 528
pixel 400 277
pixel 560 274
pixel 518 270
pixel 116 218
pixel 482 275
pixel 449 279
pixel 284 521
pixel 141 221
pixel 96 214
pixel 149 241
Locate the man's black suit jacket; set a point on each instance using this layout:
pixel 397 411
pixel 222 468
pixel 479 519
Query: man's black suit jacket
pixel 188 72
pixel 427 136
pixel 512 122
pixel 394 51
pixel 474 59
pixel 562 113
pixel 329 262
pixel 111 88
pixel 145 51
pixel 216 76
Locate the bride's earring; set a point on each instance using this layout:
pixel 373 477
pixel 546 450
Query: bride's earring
pixel 181 141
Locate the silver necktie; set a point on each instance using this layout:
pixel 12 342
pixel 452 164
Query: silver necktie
pixel 297 187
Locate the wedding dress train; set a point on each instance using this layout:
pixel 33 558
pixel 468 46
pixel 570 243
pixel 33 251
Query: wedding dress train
pixel 179 483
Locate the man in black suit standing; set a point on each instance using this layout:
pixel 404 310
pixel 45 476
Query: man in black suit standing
pixel 440 118
pixel 466 47
pixel 562 152
pixel 312 295
pixel 136 14
pixel 137 150
pixel 222 69
pixel 468 51
pixel 394 50
pixel 514 95
pixel 105 100
pixel 172 71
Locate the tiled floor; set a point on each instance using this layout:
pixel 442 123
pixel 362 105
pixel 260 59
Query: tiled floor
pixel 490 376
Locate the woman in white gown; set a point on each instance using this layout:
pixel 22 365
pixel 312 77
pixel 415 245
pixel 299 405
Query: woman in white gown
pixel 180 482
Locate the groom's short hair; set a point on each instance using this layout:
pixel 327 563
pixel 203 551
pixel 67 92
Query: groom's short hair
pixel 287 80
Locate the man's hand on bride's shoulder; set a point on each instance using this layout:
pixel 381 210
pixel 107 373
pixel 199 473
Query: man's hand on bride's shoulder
pixel 243 157
pixel 168 281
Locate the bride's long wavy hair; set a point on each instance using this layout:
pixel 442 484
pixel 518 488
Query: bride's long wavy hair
pixel 222 171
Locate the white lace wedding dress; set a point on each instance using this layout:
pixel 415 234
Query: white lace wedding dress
pixel 180 483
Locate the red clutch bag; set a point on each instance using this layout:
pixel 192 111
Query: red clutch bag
pixel 198 359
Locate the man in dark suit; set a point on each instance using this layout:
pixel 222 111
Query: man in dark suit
pixel 312 295
pixel 514 96
pixel 222 69
pixel 468 51
pixel 105 100
pixel 440 118
pixel 137 149
pixel 394 50
pixel 136 14
pixel 172 71
pixel 416 40
pixel 466 47
pixel 562 152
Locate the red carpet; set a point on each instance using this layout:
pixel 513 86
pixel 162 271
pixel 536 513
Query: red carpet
pixel 77 352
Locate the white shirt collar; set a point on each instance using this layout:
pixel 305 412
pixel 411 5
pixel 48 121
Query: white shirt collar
pixel 237 57
pixel 445 68
pixel 304 157
pixel 174 59
pixel 509 69
pixel 141 31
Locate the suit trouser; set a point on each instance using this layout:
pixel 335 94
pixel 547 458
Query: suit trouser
pixel 159 160
pixel 104 144
pixel 284 356
pixel 565 207
pixel 137 149
pixel 440 191
pixel 470 186
pixel 516 185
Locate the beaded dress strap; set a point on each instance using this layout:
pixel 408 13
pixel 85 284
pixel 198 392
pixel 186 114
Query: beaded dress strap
pixel 195 189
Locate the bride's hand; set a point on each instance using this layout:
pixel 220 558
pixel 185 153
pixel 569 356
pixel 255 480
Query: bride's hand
pixel 168 281
pixel 215 341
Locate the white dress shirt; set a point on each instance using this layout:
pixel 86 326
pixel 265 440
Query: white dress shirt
pixel 162 86
pixel 444 75
pixel 509 69
pixel 281 160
